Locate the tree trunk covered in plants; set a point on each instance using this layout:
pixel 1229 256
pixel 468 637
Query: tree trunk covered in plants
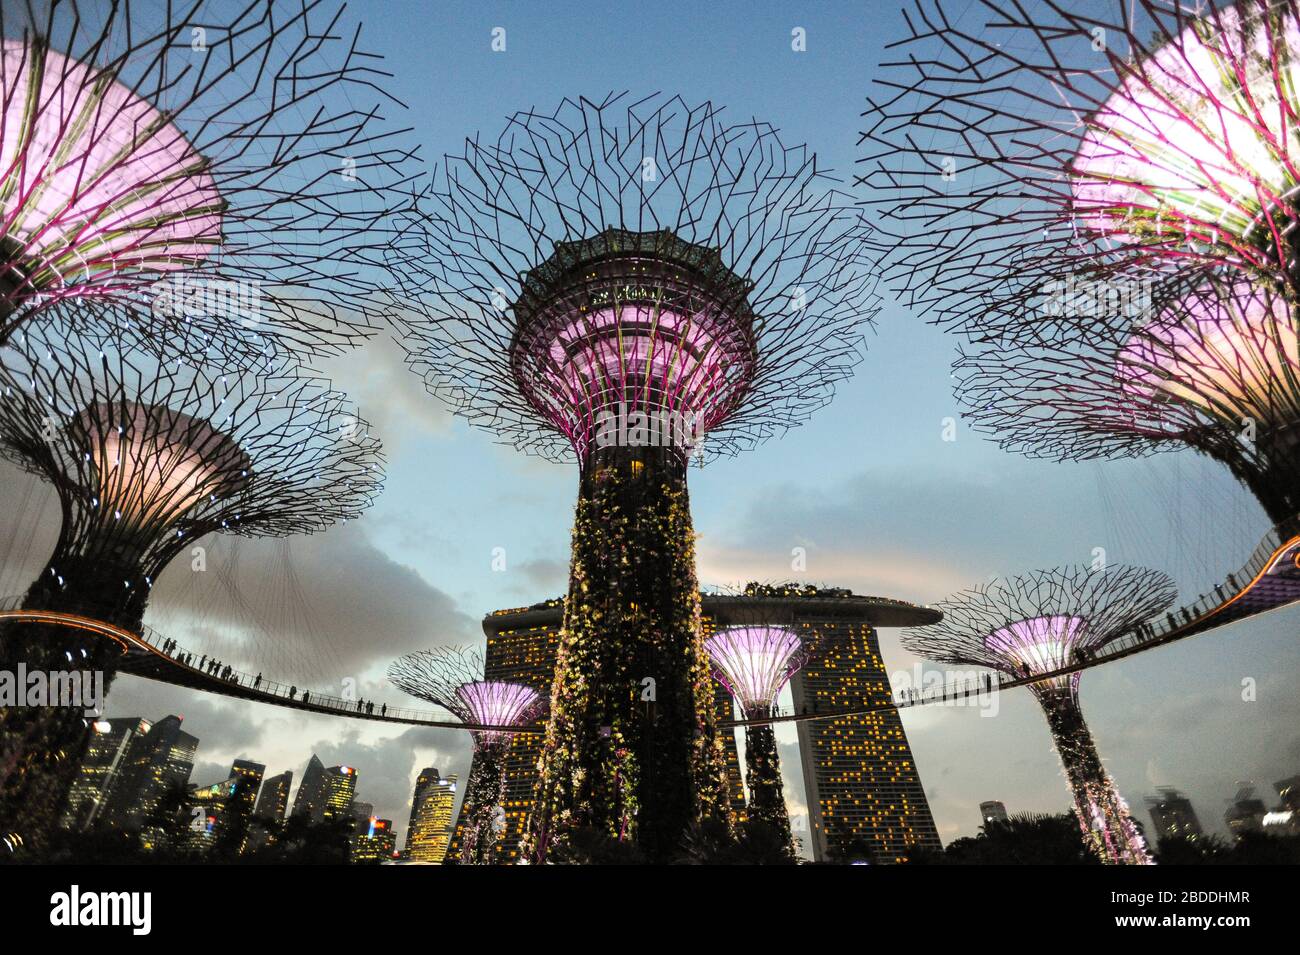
pixel 484 791
pixel 42 747
pixel 1108 827
pixel 631 748
pixel 763 777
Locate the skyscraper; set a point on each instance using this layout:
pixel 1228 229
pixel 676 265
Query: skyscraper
pixel 250 775
pixel 108 755
pixel 274 798
pixel 310 794
pixel 373 842
pixel 992 811
pixel 1173 816
pixel 862 785
pixel 429 832
pixel 158 767
pixel 325 794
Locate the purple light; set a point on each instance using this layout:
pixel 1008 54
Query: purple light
pixel 1039 644
pixel 93 181
pixel 754 663
pixel 495 703
pixel 645 359
pixel 1196 141
pixel 1231 356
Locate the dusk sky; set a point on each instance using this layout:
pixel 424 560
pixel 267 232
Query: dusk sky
pixel 869 487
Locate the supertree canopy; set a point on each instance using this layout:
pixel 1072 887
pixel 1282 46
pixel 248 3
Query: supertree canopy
pixel 1043 622
pixel 1013 145
pixel 202 163
pixel 755 663
pixel 146 458
pixel 452 677
pixel 1216 368
pixel 615 282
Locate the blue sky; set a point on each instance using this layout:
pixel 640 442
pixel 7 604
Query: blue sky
pixel 869 487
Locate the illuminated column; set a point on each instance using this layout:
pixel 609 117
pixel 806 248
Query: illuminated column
pixel 1039 623
pixel 755 663
pixel 693 281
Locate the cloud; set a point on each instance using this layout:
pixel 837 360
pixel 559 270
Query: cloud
pixel 387 394
pixel 309 611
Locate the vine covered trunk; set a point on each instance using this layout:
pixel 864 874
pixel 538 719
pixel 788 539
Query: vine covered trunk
pixel 763 777
pixel 484 792
pixel 631 750
pixel 1108 827
pixel 42 746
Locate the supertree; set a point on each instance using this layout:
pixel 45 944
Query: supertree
pixel 1019 146
pixel 202 163
pixel 754 663
pixel 452 677
pixel 146 459
pixel 1046 621
pixel 611 282
pixel 1106 204
pixel 1215 369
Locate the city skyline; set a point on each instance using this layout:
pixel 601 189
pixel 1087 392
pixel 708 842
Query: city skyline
pixel 886 491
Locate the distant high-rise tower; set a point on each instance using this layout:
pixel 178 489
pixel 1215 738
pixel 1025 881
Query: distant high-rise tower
pixel 992 811
pixel 861 782
pixel 1173 816
pixel 340 787
pixel 861 785
pixel 373 842
pixel 250 776
pixel 108 755
pixel 1246 814
pixel 311 795
pixel 274 799
pixel 325 794
pixel 429 832
pixel 159 763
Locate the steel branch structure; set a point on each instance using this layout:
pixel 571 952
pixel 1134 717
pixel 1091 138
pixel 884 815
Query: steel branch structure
pixel 452 678
pixel 203 163
pixel 146 459
pixel 1215 368
pixel 755 663
pixel 1040 623
pixel 615 282
pixel 1014 146
pixel 736 270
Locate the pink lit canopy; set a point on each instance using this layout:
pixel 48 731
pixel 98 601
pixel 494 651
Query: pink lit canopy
pixel 94 181
pixel 496 703
pixel 1229 354
pixel 1198 145
pixel 754 663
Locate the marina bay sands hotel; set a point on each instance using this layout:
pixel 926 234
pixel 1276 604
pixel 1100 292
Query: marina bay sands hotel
pixel 862 787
